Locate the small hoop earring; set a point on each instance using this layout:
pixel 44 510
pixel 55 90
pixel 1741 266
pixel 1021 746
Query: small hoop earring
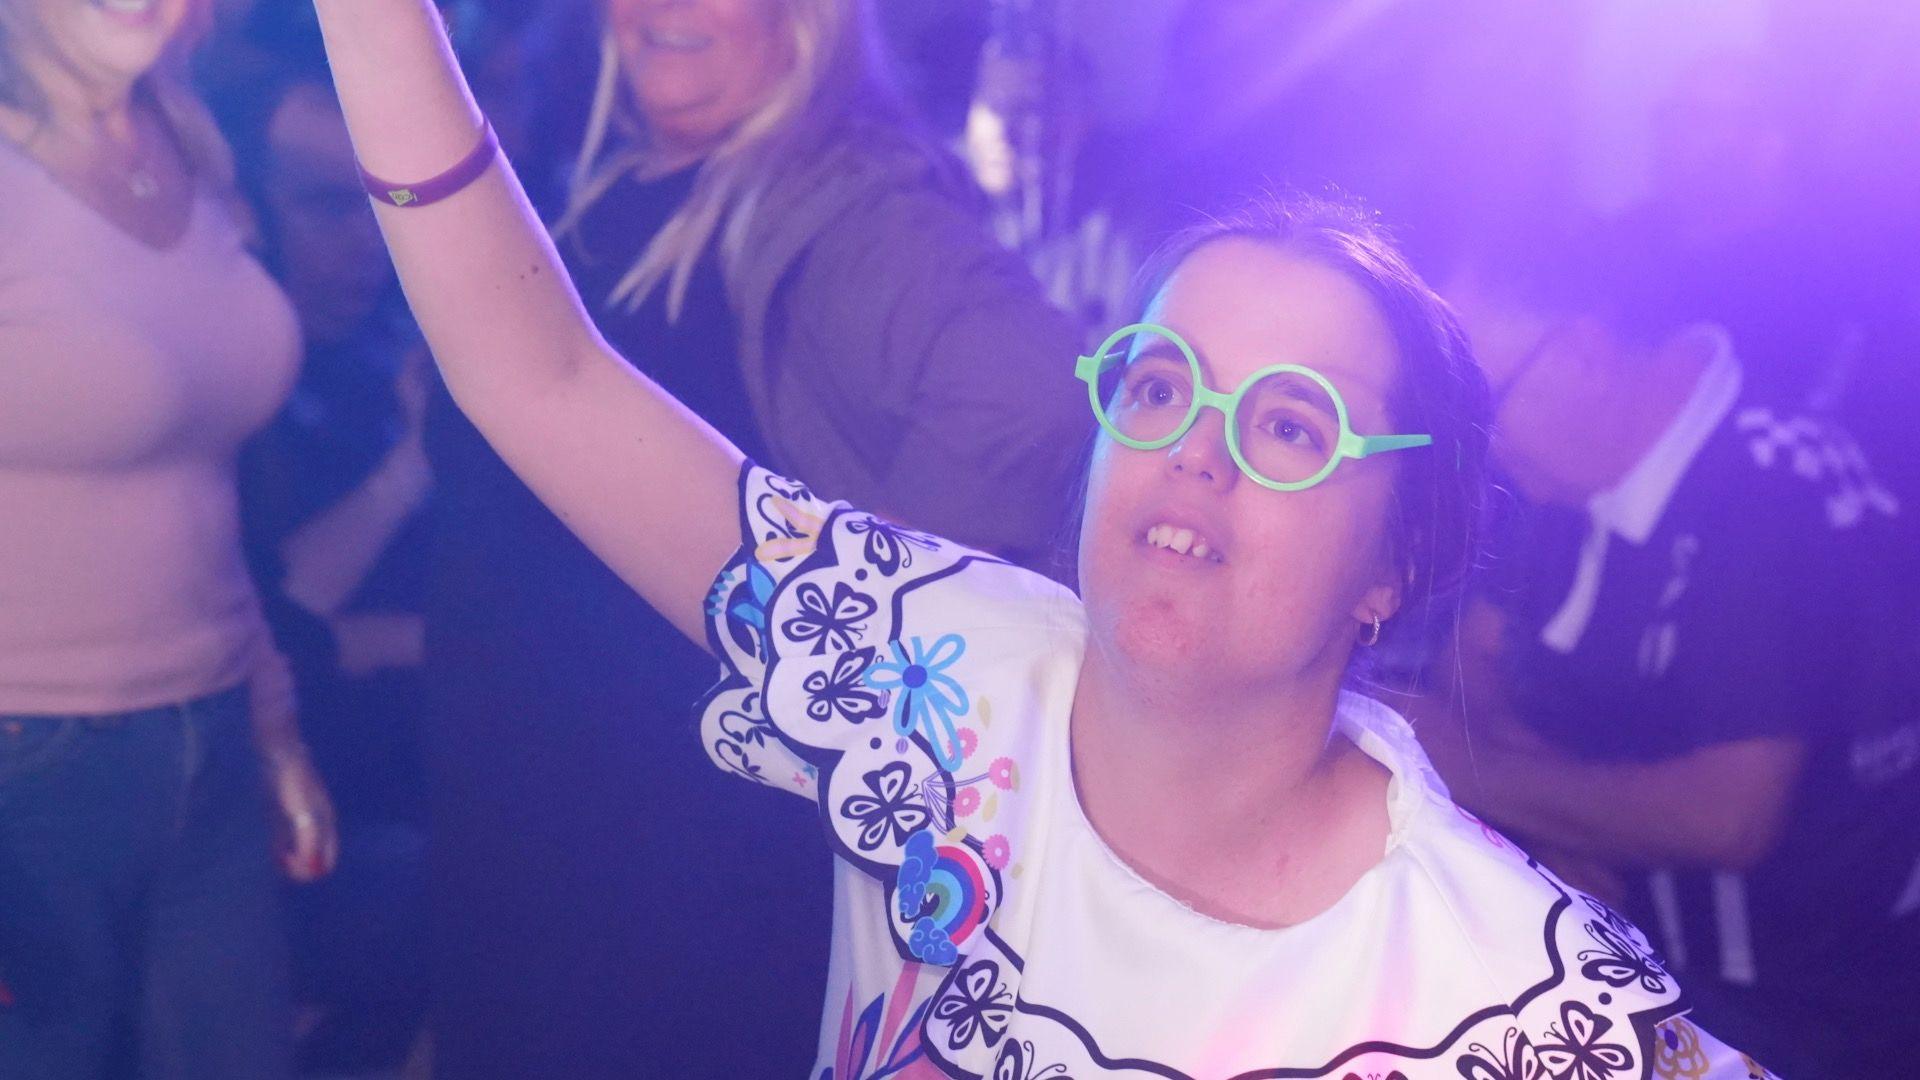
pixel 1374 638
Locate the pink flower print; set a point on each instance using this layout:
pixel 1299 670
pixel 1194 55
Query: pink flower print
pixel 966 802
pixel 997 851
pixel 1001 772
pixel 969 742
pixel 1492 835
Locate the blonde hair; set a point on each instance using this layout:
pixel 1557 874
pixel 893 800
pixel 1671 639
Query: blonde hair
pixel 831 69
pixel 169 86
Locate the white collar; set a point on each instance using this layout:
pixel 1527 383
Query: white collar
pixel 1386 737
pixel 1631 508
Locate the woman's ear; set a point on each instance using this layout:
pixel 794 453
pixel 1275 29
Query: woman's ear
pixel 1382 599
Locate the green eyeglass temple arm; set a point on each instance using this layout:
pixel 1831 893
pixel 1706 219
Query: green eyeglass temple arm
pixel 1089 368
pixel 1380 444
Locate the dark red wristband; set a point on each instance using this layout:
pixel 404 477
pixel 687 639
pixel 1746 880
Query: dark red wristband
pixel 464 172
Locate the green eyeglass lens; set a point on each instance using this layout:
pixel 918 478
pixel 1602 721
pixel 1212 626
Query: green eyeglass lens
pixel 1287 426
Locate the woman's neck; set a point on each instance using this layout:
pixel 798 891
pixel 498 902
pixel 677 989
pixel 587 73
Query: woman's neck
pixel 1219 762
pixel 83 111
pixel 1240 803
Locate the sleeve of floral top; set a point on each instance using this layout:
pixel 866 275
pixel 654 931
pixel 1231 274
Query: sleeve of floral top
pixel 860 662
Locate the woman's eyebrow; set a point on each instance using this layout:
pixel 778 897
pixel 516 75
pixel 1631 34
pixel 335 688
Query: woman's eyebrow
pixel 1160 350
pixel 1167 351
pixel 1300 389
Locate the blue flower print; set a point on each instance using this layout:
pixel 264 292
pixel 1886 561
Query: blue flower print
pixel 828 623
pixel 751 608
pixel 741 594
pixel 928 695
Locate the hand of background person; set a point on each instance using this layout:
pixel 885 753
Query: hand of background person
pixel 308 842
pixel 373 641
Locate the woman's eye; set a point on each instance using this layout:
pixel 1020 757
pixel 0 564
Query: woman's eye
pixel 1156 392
pixel 1292 432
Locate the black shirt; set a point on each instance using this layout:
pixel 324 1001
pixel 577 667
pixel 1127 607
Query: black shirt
pixel 1769 599
pixel 610 904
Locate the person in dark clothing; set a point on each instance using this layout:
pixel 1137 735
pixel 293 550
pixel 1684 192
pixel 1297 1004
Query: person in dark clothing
pixel 337 490
pixel 1689 681
pixel 757 230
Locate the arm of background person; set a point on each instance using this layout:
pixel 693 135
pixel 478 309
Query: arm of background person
pixel 968 352
pixel 328 557
pixel 1722 805
pixel 309 840
pixel 645 483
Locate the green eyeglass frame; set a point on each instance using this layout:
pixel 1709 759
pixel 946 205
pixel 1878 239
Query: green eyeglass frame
pixel 1089 369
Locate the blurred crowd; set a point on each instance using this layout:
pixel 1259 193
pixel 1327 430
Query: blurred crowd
pixel 1685 248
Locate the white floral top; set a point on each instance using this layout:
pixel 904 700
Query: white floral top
pixel 920 693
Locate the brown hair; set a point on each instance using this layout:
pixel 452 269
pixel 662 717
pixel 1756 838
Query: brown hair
pixel 1439 496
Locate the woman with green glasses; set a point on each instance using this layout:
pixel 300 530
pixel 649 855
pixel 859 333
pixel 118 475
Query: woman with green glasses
pixel 1142 832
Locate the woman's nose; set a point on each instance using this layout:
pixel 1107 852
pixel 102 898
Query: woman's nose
pixel 1202 452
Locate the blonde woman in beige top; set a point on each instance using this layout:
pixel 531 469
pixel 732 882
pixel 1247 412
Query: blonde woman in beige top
pixel 140 694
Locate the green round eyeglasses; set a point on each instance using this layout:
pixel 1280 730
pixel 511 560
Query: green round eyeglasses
pixel 1287 426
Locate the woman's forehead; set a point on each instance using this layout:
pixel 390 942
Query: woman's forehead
pixel 1244 304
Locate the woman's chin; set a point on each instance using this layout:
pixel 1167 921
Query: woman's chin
pixel 1165 635
pixel 127 60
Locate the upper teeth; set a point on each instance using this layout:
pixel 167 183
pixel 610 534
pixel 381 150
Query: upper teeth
pixel 1184 541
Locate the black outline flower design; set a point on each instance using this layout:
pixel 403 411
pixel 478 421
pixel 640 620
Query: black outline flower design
pixel 1617 962
pixel 889 547
pixel 893 807
pixel 1016 1062
pixel 976 1001
pixel 1576 1052
pixel 844 690
pixel 828 623
pixel 1626 947
pixel 1515 1060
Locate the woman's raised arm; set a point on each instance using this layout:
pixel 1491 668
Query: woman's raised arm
pixel 645 483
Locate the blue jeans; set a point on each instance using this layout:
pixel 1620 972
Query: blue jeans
pixel 140 929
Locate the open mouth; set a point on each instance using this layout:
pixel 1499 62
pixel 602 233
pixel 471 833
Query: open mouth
pixel 1184 542
pixel 670 41
pixel 137 11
